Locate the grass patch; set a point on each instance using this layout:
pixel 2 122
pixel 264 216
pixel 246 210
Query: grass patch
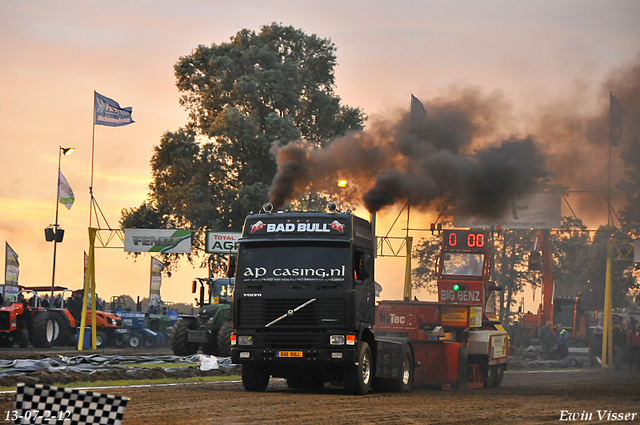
pixel 83 384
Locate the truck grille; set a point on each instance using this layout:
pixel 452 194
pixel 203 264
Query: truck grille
pixel 281 340
pixel 5 320
pixel 322 313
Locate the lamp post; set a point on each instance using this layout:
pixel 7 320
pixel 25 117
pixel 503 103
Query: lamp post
pixel 56 234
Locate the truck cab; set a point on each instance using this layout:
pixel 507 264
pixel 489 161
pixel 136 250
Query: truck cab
pixel 304 300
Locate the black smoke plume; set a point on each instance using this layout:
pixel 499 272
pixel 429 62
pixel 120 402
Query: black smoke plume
pixel 459 150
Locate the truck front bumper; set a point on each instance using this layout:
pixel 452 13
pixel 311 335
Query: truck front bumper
pixel 336 356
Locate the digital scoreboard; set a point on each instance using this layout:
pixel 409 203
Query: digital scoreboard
pixel 465 239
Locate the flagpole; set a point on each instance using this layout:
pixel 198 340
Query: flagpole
pixel 55 226
pixel 93 139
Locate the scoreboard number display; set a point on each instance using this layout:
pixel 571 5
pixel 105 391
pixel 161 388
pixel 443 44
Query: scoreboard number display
pixel 465 239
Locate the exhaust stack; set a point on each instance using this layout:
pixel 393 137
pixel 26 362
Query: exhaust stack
pixel 372 220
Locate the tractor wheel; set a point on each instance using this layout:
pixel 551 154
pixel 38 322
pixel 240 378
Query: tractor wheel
pixel 118 341
pixel 149 341
pixel 24 338
pixel 5 340
pixel 224 340
pixel 358 378
pixel 135 340
pixel 64 332
pixel 180 338
pixel 44 330
pixel 254 378
pixel 101 339
pixel 403 383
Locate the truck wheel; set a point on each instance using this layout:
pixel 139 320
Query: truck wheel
pixel 224 340
pixel 497 380
pixel 254 378
pixel 134 340
pixel 24 338
pixel 101 339
pixel 489 376
pixel 44 330
pixel 403 383
pixel 358 378
pixel 180 338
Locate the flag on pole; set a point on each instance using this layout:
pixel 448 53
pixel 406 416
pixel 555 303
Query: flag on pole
pixel 86 263
pixel 616 110
pixel 156 281
pixel 11 266
pixel 418 114
pixel 65 194
pixel 108 112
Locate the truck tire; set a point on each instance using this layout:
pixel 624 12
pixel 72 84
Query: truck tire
pixel 497 379
pixel 489 376
pixel 403 383
pixel 224 340
pixel 254 378
pixel 180 338
pixel 358 378
pixel 101 339
pixel 44 330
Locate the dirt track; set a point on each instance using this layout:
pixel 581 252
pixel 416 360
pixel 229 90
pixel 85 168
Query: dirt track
pixel 527 397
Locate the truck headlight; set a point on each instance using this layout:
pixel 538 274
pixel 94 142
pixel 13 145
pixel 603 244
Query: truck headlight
pixel 336 340
pixel 245 340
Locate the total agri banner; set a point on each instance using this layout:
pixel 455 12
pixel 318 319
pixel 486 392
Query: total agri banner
pixel 533 211
pixel 222 242
pixel 176 241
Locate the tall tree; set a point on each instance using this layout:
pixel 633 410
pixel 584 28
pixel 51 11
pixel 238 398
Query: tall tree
pixel 244 97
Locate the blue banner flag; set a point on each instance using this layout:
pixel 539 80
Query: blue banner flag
pixel 108 112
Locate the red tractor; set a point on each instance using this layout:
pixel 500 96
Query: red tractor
pixel 55 324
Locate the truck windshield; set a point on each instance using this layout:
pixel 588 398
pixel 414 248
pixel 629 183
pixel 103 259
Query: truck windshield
pixel 293 262
pixel 462 264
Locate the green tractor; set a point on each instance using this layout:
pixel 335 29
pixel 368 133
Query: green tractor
pixel 211 329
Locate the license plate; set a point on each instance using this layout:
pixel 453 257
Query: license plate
pixel 289 354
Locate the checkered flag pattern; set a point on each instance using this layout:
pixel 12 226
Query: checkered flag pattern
pixel 66 406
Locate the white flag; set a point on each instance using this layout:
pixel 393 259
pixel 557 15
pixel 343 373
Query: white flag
pixel 65 194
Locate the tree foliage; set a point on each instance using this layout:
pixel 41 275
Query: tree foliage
pixel 243 97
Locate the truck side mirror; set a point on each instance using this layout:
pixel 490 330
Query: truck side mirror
pixel 231 267
pixel 194 285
